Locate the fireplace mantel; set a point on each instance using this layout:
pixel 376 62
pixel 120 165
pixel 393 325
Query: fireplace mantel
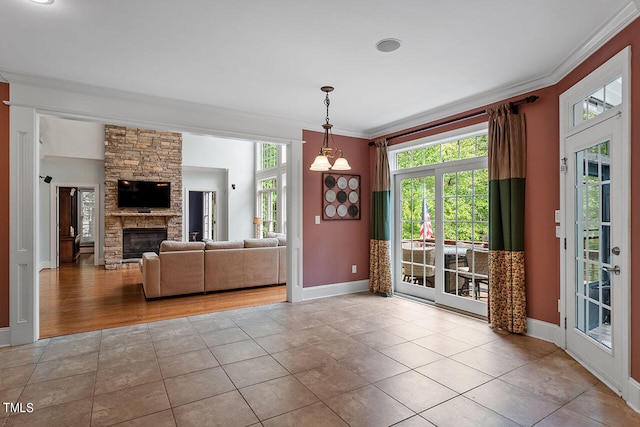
pixel 126 215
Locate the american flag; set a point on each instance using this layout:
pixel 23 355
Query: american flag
pixel 426 231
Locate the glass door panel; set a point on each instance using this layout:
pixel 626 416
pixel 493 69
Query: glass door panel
pixel 441 234
pixel 417 236
pixel 596 246
pixel 466 228
pixel 592 243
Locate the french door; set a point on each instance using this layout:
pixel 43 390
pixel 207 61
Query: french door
pixel 441 234
pixel 597 249
pixel 595 150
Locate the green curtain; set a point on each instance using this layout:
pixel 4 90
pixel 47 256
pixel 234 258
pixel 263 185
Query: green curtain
pixel 380 245
pixel 507 166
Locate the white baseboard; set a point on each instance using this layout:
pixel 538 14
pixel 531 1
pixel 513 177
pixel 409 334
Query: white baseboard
pixel 5 337
pixel 544 331
pixel 552 333
pixel 44 264
pixel 633 399
pixel 324 291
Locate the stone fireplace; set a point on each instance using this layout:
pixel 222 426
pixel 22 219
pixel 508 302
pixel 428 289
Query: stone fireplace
pixel 145 155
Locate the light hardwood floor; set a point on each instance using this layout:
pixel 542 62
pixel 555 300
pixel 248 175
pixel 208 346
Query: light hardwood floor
pixel 82 297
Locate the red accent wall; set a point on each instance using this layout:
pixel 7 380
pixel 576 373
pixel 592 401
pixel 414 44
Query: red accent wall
pixel 332 247
pixel 542 248
pixel 4 206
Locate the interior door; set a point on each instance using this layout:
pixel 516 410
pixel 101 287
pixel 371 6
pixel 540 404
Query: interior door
pixel 596 242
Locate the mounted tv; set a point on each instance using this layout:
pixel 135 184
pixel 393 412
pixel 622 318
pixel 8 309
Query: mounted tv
pixel 144 194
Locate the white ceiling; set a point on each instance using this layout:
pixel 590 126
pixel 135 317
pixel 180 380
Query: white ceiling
pixel 272 57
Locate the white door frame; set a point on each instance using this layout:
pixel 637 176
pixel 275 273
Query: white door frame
pixel 619 65
pixel 185 208
pixel 24 281
pixel 436 170
pixel 54 221
pixel 29 99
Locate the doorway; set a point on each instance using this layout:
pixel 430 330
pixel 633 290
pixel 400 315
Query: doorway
pixel 74 224
pixel 202 215
pixel 441 234
pixel 595 194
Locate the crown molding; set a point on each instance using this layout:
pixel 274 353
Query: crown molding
pixel 15 78
pixel 99 91
pixel 458 107
pixel 627 15
pixel 609 30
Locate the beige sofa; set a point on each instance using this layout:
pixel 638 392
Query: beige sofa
pixel 196 267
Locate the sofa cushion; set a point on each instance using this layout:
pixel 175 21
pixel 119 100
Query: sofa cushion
pixel 224 245
pixel 223 269
pixel 260 266
pixel 282 237
pixel 171 246
pixel 260 243
pixel 181 272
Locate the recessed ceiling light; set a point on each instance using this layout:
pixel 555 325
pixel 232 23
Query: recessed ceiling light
pixel 388 45
pixel 42 1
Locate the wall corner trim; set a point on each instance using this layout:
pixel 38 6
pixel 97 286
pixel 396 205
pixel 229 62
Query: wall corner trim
pixel 633 398
pixel 544 331
pixel 334 289
pixel 5 337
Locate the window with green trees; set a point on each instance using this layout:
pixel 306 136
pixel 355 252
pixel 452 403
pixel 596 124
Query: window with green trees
pixel 268 156
pixel 465 192
pixel 458 149
pixel 268 194
pixel 271 168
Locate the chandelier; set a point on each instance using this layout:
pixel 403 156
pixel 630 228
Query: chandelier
pixel 321 163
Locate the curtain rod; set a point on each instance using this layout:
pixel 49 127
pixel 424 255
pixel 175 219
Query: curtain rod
pixel 513 105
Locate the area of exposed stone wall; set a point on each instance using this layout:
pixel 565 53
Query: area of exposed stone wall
pixel 145 155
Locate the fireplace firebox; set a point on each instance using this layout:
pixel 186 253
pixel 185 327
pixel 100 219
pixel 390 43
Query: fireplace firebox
pixel 136 241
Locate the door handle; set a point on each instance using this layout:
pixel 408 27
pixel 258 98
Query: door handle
pixel 615 269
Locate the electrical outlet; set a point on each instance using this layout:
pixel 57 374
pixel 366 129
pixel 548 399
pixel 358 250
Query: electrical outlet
pixel 354 269
pixel 317 219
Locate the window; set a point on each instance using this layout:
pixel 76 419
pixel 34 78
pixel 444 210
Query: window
pixel 271 186
pixel 268 156
pixel 268 199
pixel 440 152
pixel 466 205
pixel 442 219
pixel 603 99
pixel 87 215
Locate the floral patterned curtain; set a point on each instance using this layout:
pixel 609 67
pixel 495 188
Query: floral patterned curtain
pixel 507 164
pixel 379 251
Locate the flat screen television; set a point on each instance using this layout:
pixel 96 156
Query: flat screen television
pixel 144 194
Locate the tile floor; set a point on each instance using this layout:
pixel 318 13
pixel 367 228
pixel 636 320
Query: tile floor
pixel 357 360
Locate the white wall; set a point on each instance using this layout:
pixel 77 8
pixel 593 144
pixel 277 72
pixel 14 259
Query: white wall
pixel 236 156
pixel 72 152
pixel 68 172
pixel 71 138
pixel 207 179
